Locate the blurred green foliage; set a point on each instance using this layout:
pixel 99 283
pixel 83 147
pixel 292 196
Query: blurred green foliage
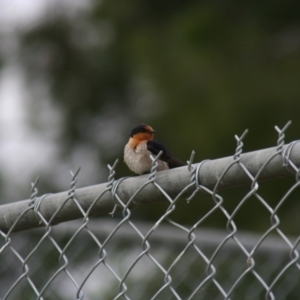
pixel 198 71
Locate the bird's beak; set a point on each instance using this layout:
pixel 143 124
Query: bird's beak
pixel 152 131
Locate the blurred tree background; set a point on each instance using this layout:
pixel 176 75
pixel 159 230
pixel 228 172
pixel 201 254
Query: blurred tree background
pixel 198 71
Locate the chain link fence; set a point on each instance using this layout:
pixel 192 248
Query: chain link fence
pixel 123 258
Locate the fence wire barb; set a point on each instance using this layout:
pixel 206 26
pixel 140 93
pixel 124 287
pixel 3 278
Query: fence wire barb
pixel 229 267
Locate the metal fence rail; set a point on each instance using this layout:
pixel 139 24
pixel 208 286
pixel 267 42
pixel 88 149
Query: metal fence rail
pixel 154 261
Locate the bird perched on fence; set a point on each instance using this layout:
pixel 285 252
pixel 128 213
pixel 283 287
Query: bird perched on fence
pixel 139 147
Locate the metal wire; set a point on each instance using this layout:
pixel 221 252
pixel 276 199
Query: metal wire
pixel 168 263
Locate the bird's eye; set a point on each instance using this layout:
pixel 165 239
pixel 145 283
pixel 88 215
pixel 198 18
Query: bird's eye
pixel 143 130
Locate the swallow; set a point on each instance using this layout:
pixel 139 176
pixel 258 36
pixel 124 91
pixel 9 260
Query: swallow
pixel 141 145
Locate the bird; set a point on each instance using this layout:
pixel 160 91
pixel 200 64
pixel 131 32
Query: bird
pixel 141 145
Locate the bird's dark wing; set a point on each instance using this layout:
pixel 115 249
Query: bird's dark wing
pixel 155 147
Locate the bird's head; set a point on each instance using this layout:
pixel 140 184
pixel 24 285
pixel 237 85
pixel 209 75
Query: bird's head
pixel 142 132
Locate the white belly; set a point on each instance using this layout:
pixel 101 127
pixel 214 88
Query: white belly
pixel 138 160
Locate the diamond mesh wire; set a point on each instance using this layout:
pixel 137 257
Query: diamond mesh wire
pixel 126 259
